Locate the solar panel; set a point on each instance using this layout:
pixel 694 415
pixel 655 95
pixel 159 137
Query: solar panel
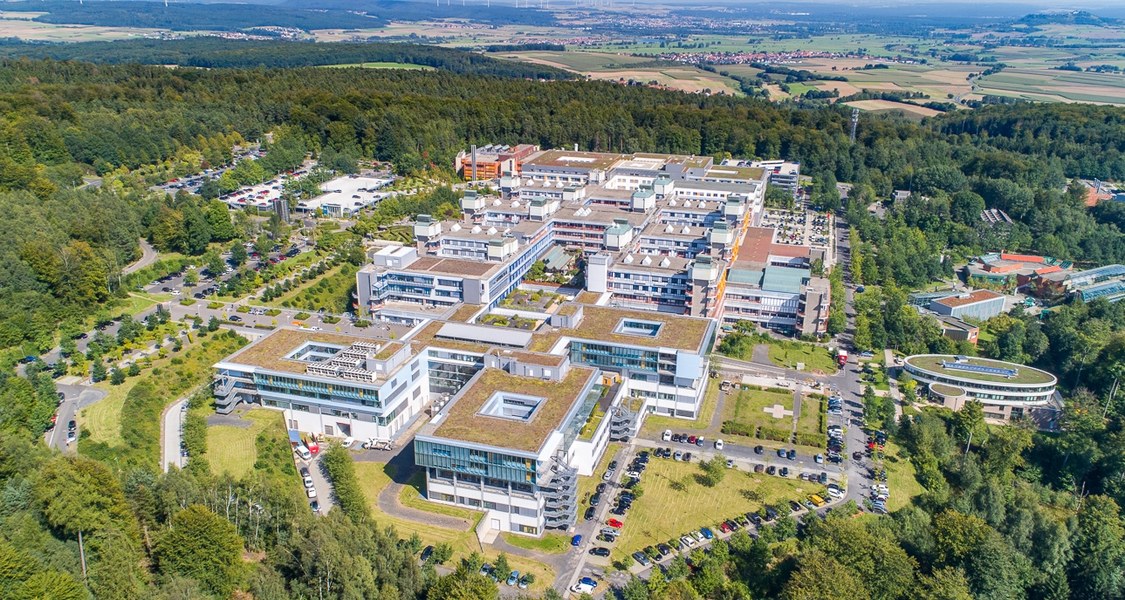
pixel 1002 372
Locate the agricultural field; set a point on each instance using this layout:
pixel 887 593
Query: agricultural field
pixel 19 25
pixel 623 68
pixel 1055 85
pixel 910 110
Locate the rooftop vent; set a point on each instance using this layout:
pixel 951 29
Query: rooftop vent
pixel 455 227
pixel 646 261
pixel 628 259
pixel 665 262
pixel 476 229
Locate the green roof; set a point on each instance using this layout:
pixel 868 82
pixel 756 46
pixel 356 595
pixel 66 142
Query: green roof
pixel 1023 374
pixel 745 276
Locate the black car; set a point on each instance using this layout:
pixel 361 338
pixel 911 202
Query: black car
pixel 590 512
pixel 599 551
pixel 600 488
pixel 632 483
pixel 618 511
pixel 664 549
pixel 612 465
pixel 72 425
pixel 687 456
pixel 605 537
pixel 641 558
pixel 771 470
pixel 771 513
pixel 235 318
pixel 823 479
pixel 643 455
pixel 755 518
pixel 595 499
pixel 426 553
pixel 795 506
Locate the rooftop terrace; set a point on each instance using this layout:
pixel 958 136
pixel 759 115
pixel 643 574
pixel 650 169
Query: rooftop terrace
pixel 270 352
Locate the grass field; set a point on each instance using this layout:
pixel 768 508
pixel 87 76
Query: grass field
pixel 815 358
pixel 233 449
pixel 412 496
pixel 674 502
pixel 623 67
pixel 382 65
pixel 748 408
pixel 331 291
pixel 1049 84
pixel 373 479
pixel 550 543
pixel 658 423
pixel 103 419
pixel 809 419
pixel 901 478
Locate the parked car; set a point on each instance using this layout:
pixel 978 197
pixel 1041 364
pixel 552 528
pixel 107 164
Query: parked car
pixel 513 578
pixel 615 523
pixel 599 551
pixel 427 552
pixel 718 444
pixel 576 540
pixel 590 513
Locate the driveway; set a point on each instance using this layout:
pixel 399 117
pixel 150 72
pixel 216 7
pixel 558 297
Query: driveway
pixel 77 398
pixel 148 256
pixel 171 432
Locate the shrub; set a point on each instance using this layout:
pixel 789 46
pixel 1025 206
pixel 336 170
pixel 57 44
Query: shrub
pixel 215 305
pixel 187 301
pixel 363 323
pixel 736 428
pixel 273 312
pixel 242 308
pixel 301 316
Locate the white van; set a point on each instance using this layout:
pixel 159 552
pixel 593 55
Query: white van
pixel 302 452
pixel 667 437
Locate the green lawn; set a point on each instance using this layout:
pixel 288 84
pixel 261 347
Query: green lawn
pixel 748 408
pixel 811 408
pixel 412 496
pixel 901 478
pixel 103 419
pixel 657 423
pixel 815 358
pixel 373 479
pixel 674 502
pixel 233 449
pixel 550 543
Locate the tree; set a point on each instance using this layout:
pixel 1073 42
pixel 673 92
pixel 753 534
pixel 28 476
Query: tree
pixel 116 376
pixel 98 371
pixel 969 422
pixel 820 577
pixel 1097 569
pixel 943 584
pixel 502 566
pixel 442 553
pixel 203 546
pixel 238 254
pixel 463 584
pixel 714 470
pixel 213 324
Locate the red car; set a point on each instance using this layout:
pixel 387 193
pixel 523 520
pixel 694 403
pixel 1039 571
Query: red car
pixel 615 523
pixel 723 527
pixel 691 439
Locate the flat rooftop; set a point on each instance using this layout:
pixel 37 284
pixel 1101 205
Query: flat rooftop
pixel 463 420
pixel 1024 374
pixel 270 351
pixel 567 158
pixel 733 172
pixel 451 266
pixel 757 246
pixel 601 322
pixel 967 299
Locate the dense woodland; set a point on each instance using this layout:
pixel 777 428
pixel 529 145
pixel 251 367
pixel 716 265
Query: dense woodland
pixel 1014 514
pixel 212 53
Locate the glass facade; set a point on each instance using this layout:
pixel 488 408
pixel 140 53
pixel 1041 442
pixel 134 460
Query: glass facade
pixel 476 463
pixel 334 392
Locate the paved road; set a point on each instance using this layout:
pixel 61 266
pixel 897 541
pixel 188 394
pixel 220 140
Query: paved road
pixel 325 493
pixel 171 433
pixel 148 256
pixel 77 398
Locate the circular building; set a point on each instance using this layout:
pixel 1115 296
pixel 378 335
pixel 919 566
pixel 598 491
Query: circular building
pixel 1007 390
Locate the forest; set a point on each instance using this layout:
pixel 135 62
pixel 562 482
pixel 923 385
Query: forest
pixel 193 17
pixel 213 53
pixel 1012 514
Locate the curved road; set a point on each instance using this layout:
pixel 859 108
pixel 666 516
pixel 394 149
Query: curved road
pixel 148 256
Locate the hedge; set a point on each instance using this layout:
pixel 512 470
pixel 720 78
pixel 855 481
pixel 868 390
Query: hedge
pixel 338 462
pixel 812 439
pixel 774 434
pixel 736 428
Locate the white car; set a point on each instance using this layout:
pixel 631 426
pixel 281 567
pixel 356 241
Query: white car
pixel 308 482
pixel 718 444
pixel 667 437
pixel 348 441
pixel 311 492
